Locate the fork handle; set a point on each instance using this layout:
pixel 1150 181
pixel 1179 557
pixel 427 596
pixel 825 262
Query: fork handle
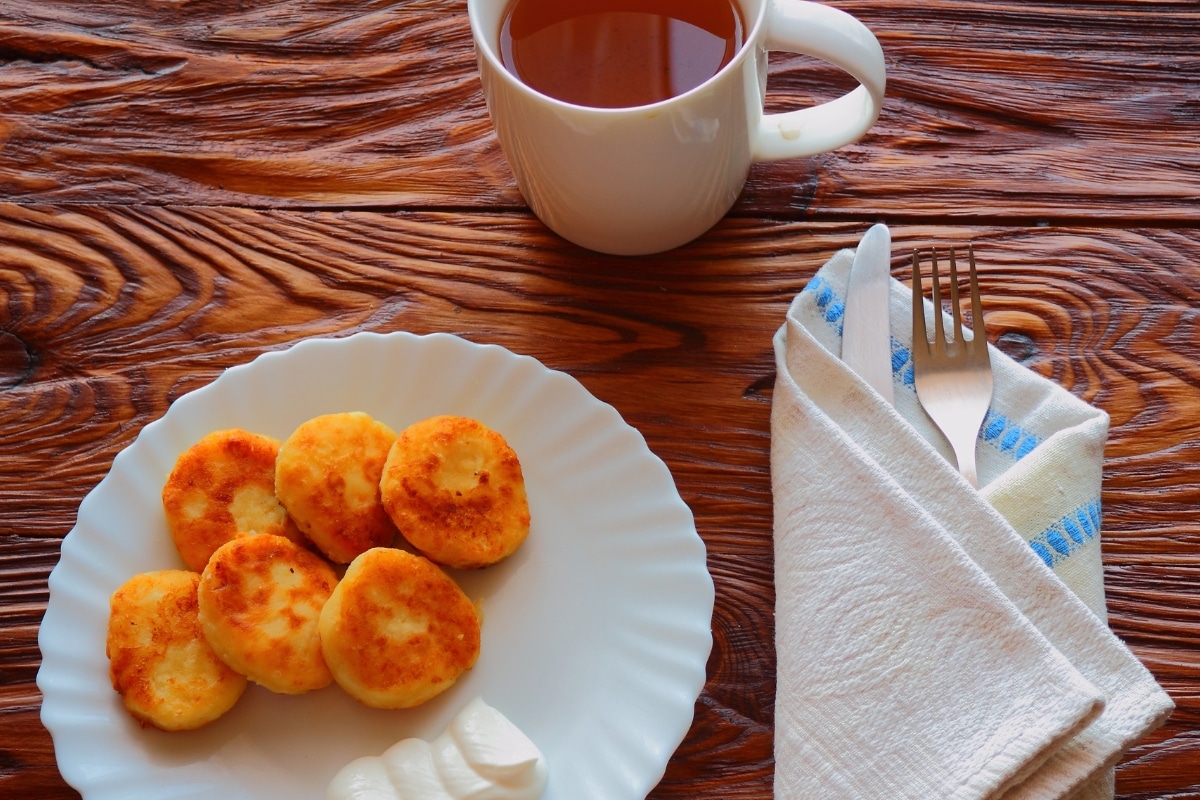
pixel 964 454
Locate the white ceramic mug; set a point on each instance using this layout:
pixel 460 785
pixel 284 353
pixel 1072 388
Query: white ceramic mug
pixel 631 181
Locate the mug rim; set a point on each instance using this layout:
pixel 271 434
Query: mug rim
pixel 489 53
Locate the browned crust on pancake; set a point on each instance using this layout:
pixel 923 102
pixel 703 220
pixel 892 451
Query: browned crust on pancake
pixel 260 600
pixel 327 477
pixel 455 490
pixel 159 662
pixel 222 486
pixel 397 630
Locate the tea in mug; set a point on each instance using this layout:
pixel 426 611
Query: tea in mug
pixel 618 53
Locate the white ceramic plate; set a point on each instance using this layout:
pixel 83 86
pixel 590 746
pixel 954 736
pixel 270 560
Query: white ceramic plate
pixel 596 632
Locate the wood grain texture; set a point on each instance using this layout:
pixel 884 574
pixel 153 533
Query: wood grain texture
pixel 185 185
pixel 1020 110
pixel 120 310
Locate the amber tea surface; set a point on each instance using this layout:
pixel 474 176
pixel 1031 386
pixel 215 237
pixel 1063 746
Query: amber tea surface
pixel 618 53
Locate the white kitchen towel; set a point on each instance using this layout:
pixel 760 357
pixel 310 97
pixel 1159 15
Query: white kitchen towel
pixel 927 644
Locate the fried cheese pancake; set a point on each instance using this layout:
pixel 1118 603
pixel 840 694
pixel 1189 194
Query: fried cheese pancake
pixel 455 490
pixel 397 630
pixel 260 603
pixel 327 477
pixel 222 486
pixel 159 661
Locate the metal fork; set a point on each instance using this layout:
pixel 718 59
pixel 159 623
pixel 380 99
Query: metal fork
pixel 953 377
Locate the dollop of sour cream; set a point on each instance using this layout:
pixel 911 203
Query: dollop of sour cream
pixel 480 756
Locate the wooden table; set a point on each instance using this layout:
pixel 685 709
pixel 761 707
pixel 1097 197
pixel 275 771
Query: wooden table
pixel 188 185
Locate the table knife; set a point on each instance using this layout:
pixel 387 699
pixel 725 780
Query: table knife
pixel 866 334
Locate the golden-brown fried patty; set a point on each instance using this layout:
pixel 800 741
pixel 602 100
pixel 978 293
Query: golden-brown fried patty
pixel 397 630
pixel 222 486
pixel 260 602
pixel 327 477
pixel 455 490
pixel 159 662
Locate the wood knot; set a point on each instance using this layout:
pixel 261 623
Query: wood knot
pixel 1017 346
pixel 16 361
pixel 761 389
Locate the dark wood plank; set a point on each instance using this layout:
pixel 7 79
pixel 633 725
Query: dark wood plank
pixel 1025 111
pixel 1017 110
pixel 114 312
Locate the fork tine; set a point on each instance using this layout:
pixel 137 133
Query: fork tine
pixel 939 333
pixel 979 351
pixel 955 310
pixel 920 347
pixel 952 379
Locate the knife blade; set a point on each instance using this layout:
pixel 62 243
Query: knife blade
pixel 866 330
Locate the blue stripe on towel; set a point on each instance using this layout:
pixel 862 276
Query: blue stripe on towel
pixel 832 308
pixel 1070 533
pixel 1007 436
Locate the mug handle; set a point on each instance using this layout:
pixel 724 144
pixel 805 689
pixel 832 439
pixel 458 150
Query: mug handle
pixel 832 35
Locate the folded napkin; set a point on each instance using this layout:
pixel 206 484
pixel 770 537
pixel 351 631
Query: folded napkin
pixel 934 641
